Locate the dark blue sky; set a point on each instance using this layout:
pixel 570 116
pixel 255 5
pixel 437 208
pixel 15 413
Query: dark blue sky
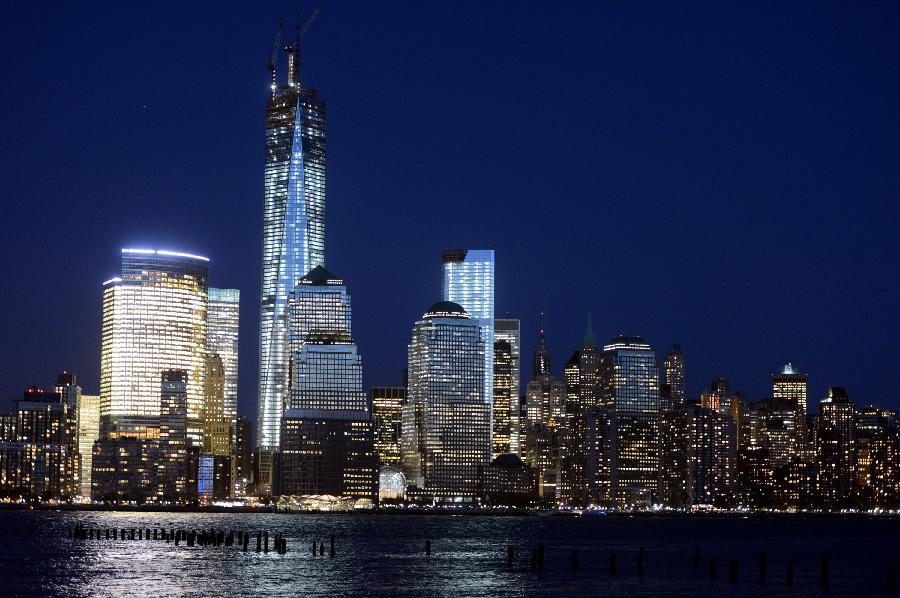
pixel 720 175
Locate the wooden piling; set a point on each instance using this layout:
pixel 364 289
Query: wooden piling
pixel 712 570
pixel 825 566
pixel 574 560
pixel 331 552
pixel 763 561
pixel 790 572
pixel 640 567
pixel 696 555
pixel 891 579
pixel 321 549
pixel 509 555
pixel 541 555
pixel 427 547
pixel 733 571
pixel 612 565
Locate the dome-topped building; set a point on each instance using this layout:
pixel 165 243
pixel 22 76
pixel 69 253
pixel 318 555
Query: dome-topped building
pixel 446 309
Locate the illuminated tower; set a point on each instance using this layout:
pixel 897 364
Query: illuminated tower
pixel 222 320
pixel 446 423
pixel 154 319
pixel 792 385
pixel 293 228
pixel 468 279
pixel 510 331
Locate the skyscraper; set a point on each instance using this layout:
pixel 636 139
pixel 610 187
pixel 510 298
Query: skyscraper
pixel 177 459
pixel 836 446
pixel 327 444
pixel 217 430
pixel 501 427
pixel 387 407
pixel 629 388
pixel 510 331
pixel 222 326
pixel 541 365
pixel 673 375
pixel 154 319
pixel 792 385
pixel 468 279
pixel 293 227
pixel 88 431
pixel 446 419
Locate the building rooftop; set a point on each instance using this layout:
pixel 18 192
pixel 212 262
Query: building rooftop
pixel 320 276
pixel 620 341
pixel 446 309
pixel 507 460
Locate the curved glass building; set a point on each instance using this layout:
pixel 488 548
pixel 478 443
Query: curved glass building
pixel 154 320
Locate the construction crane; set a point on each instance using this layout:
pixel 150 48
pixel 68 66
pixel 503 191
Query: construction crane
pixel 293 52
pixel 273 57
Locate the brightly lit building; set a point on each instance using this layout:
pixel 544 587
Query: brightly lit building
pixel 217 426
pixel 446 420
pixel 503 399
pixel 222 325
pixel 177 463
pixel 629 388
pixel 88 432
pixel 509 330
pixel 387 407
pixel 327 445
pixel 468 279
pixel 293 229
pixel 792 385
pixel 154 319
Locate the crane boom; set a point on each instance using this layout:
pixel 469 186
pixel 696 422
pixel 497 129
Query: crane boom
pixel 312 17
pixel 273 58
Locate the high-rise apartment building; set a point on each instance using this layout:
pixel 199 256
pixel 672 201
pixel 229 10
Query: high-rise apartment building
pixel 293 230
pixel 154 319
pixel 510 331
pixel 88 432
pixel 836 446
pixel 468 279
pixel 446 420
pixel 222 327
pixel 789 384
pixel 387 408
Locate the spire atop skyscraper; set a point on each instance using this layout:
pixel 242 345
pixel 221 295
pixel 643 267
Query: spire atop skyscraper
pixel 541 356
pixel 589 339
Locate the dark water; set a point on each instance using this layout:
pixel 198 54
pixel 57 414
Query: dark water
pixel 384 555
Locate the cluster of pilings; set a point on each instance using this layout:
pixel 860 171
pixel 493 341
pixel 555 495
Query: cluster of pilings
pixel 537 562
pixel 190 538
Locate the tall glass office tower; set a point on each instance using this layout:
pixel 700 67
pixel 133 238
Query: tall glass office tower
pixel 154 319
pixel 446 422
pixel 293 228
pixel 468 279
pixel 629 390
pixel 222 323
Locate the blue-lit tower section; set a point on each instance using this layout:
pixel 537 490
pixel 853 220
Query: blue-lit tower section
pixel 468 279
pixel 293 231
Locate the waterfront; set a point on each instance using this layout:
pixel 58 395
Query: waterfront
pixel 384 554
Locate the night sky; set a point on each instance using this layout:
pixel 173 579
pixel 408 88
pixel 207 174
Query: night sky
pixel 719 175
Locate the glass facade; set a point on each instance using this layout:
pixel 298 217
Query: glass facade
pixel 629 388
pixel 446 420
pixel 673 372
pixel 222 323
pixel 387 405
pixel 501 432
pixel 327 374
pixel 154 319
pixel 468 279
pixel 88 431
pixel 293 232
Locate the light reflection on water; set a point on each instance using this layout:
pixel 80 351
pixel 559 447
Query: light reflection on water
pixel 384 554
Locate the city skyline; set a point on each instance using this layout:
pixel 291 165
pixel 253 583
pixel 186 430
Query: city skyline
pixel 708 343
